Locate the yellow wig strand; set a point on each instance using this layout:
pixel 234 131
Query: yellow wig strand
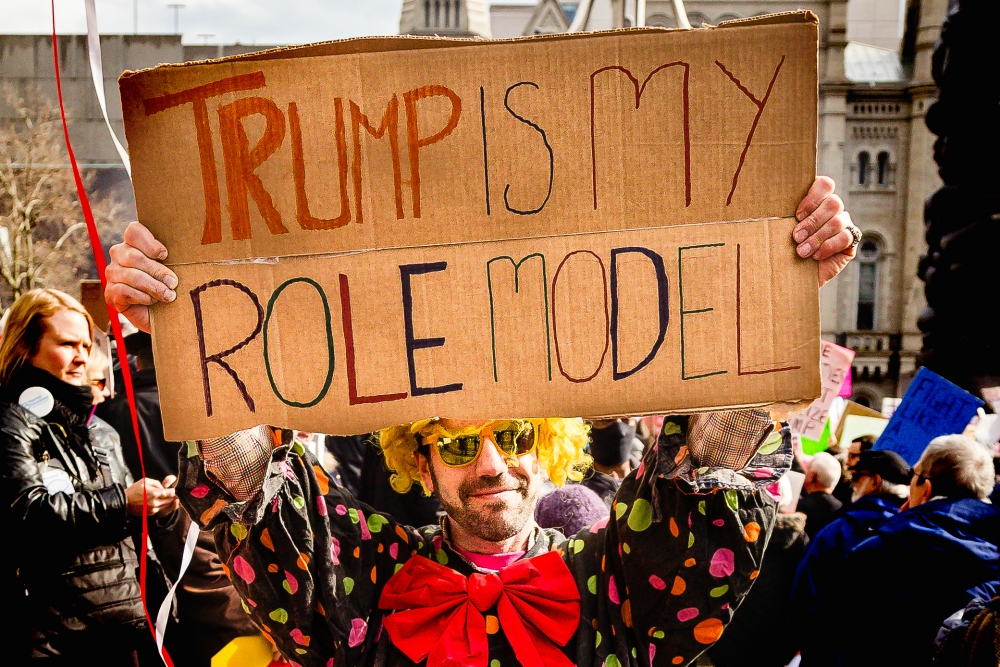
pixel 560 450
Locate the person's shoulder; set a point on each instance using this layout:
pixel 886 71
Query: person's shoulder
pixel 101 429
pixel 970 512
pixel 13 415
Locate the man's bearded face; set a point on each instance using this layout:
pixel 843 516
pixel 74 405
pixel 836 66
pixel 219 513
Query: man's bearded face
pixel 487 498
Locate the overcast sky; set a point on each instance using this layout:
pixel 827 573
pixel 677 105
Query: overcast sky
pixel 246 21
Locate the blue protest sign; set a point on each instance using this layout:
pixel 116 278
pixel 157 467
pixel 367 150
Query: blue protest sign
pixel 931 407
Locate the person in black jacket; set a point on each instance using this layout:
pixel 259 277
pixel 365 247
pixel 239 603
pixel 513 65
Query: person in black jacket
pixel 767 602
pixel 818 503
pixel 66 501
pixel 208 611
pixel 159 455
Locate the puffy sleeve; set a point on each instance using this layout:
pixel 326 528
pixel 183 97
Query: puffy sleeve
pixel 307 559
pixel 52 521
pixel 684 542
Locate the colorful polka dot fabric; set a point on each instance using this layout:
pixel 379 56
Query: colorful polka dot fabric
pixel 658 582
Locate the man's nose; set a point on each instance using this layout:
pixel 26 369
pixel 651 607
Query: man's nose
pixel 491 461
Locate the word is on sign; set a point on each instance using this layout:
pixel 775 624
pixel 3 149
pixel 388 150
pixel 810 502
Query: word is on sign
pixel 377 230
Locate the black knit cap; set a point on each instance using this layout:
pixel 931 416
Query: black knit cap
pixel 890 466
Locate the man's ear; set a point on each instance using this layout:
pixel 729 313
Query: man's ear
pixel 424 468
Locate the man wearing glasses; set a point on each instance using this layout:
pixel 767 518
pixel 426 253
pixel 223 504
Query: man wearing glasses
pixel 921 565
pixel 332 582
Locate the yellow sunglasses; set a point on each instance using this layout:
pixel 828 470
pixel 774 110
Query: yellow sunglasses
pixel 512 437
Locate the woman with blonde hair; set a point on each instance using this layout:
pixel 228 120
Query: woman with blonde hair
pixel 67 499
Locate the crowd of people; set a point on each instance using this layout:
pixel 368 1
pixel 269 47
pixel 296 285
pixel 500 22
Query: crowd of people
pixel 549 541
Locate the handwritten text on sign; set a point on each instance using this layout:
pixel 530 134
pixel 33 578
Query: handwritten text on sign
pixel 531 215
pixel 835 367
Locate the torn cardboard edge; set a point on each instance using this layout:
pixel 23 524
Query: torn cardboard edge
pixel 381 44
pixel 287 292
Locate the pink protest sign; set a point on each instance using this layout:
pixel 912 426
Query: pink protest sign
pixel 835 366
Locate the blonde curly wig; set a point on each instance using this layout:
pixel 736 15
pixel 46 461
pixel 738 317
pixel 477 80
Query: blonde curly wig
pixel 560 450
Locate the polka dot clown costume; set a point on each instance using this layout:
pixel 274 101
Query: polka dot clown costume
pixel 331 582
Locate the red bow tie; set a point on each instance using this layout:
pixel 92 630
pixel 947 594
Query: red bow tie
pixel 440 612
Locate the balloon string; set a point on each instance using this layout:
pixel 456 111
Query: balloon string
pixel 116 327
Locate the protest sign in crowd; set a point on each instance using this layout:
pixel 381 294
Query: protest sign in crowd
pixel 414 432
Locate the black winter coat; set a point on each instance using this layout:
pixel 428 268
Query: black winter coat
pixel 70 554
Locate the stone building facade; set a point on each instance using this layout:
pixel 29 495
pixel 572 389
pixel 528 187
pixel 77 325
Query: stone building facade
pixel 875 87
pixel 26 67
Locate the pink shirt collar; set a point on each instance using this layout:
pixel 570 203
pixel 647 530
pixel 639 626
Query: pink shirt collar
pixel 490 562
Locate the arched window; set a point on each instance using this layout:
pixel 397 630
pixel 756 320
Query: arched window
pixel 660 21
pixel 868 256
pixel 697 19
pixel 883 167
pixel 864 161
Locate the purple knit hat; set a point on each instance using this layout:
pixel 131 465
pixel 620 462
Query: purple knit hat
pixel 570 509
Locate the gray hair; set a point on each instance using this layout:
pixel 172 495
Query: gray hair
pixel 957 467
pixel 825 470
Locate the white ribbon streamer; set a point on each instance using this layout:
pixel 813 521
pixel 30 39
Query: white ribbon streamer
pixel 97 73
pixel 163 615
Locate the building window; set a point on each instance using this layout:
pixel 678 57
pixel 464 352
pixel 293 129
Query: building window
pixel 883 167
pixel 427 13
pixel 697 19
pixel 660 21
pixel 437 13
pixel 864 160
pixel 867 284
pixel 457 23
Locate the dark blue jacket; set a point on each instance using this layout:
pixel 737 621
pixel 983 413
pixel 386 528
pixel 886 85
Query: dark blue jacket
pixel 918 567
pixel 821 564
pixel 827 550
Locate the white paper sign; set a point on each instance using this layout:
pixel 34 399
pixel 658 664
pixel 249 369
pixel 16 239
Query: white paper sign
pixel 991 433
pixel 835 363
pixel 889 406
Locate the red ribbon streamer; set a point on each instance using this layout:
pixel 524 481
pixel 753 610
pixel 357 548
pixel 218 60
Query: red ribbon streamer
pixel 116 327
pixel 441 618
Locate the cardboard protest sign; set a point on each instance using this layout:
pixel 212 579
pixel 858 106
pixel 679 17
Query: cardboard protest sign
pixel 835 371
pixel 932 406
pixel 856 426
pixel 851 408
pixel 380 230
